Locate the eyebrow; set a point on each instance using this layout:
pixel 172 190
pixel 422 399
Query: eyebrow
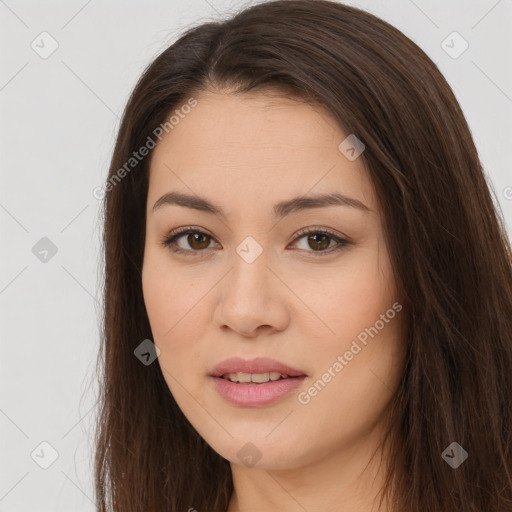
pixel 280 210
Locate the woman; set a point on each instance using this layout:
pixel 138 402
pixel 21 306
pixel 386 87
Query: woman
pixel 308 287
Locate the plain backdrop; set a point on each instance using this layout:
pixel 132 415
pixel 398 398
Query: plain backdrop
pixel 58 120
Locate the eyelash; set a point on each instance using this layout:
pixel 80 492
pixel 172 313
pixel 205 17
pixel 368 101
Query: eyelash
pixel 169 240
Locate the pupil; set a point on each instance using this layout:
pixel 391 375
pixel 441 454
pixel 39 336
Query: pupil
pixel 200 242
pixel 314 239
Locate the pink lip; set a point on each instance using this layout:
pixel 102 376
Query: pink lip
pixel 254 395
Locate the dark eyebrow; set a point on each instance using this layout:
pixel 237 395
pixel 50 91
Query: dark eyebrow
pixel 280 209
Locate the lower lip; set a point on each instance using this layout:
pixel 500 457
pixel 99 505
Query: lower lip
pixel 254 395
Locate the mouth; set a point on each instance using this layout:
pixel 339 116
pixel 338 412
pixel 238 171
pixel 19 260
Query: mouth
pixel 256 382
pixel 255 378
pixel 262 369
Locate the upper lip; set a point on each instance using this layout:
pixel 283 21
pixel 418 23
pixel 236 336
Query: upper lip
pixel 256 365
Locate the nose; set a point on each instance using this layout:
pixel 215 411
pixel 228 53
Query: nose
pixel 252 300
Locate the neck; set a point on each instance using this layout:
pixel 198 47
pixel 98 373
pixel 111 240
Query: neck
pixel 347 479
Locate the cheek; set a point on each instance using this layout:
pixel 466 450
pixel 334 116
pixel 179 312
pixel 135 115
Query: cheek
pixel 168 295
pixel 365 331
pixel 346 397
pixel 347 299
pixel 177 316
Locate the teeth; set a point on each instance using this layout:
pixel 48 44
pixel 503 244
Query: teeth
pixel 240 377
pixel 258 378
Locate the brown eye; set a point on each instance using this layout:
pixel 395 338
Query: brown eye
pixel 188 241
pixel 198 241
pixel 319 241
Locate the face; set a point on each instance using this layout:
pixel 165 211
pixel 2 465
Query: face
pixel 298 289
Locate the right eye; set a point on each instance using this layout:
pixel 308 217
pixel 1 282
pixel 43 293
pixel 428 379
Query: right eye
pixel 197 241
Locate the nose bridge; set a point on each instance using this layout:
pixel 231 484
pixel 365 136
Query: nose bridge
pixel 250 297
pixel 250 273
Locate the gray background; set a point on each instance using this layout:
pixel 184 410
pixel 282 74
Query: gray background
pixel 59 117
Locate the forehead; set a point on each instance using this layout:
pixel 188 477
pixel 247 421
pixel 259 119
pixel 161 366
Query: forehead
pixel 255 122
pixel 256 145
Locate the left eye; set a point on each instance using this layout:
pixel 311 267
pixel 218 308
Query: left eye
pixel 320 240
pixel 198 241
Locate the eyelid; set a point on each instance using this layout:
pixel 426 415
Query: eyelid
pixel 319 229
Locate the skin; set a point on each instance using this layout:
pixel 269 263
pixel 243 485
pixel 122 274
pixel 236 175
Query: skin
pixel 245 153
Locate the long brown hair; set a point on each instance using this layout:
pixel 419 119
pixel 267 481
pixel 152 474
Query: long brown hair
pixel 446 239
